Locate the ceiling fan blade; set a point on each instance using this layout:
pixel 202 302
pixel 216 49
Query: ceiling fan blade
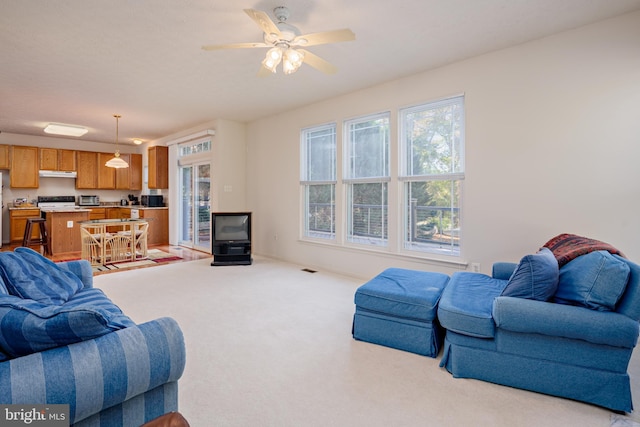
pixel 234 46
pixel 318 63
pixel 264 22
pixel 325 37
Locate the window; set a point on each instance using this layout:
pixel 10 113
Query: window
pixel 318 180
pixel 432 171
pixel 367 179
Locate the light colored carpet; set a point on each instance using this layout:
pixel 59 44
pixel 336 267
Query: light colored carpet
pixel 271 345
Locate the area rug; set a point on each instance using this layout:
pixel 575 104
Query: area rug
pixel 154 257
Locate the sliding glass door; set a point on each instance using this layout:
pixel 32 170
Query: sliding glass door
pixel 195 206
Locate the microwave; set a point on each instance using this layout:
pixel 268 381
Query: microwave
pixel 152 200
pixel 88 200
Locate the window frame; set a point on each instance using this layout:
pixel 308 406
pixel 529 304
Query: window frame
pixel 406 178
pixel 349 181
pixel 307 182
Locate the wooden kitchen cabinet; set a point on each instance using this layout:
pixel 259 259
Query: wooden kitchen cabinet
pixel 106 175
pixel 49 159
pixel 158 233
pixel 122 174
pixel 135 172
pixel 118 213
pixel 87 164
pixel 67 160
pixel 4 157
pixel 53 159
pixel 24 167
pixel 98 213
pixel 158 158
pixel 130 178
pixel 18 222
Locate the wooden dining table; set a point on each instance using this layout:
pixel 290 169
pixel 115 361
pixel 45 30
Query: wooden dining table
pixel 107 241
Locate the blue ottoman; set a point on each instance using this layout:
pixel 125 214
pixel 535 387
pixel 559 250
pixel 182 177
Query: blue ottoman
pixel 397 309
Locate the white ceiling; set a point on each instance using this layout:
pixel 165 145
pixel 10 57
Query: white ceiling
pixel 81 61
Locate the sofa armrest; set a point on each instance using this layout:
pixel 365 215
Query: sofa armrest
pixel 503 270
pixel 546 318
pixel 81 268
pixel 97 374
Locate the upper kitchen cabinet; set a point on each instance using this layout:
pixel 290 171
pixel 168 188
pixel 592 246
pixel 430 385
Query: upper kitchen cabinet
pixel 87 166
pixel 57 159
pixel 135 172
pixel 24 167
pixel 67 160
pixel 49 159
pixel 106 175
pixel 158 167
pixel 130 178
pixel 4 157
pixel 93 174
pixel 122 174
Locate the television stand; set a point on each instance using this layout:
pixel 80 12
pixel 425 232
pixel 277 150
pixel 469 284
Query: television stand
pixel 244 261
pixel 232 253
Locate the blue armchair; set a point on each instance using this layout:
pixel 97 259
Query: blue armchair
pixel 578 349
pixel 122 378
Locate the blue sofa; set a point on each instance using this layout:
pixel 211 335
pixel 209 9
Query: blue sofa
pixel 122 375
pixel 564 330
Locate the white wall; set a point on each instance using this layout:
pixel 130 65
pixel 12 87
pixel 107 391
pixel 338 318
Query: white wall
pixel 228 172
pixel 552 146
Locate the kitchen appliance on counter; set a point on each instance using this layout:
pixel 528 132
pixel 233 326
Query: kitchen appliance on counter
pixel 47 203
pixel 88 200
pixel 56 201
pixel 153 200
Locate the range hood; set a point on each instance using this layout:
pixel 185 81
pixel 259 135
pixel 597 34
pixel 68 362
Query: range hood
pixel 58 174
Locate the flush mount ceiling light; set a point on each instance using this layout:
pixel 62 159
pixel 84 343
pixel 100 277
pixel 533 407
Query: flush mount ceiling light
pixel 137 141
pixel 116 161
pixel 66 130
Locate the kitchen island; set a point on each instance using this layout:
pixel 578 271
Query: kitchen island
pixel 64 229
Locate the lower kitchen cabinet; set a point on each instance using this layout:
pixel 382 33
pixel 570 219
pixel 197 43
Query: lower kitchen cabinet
pixel 158 225
pixel 18 222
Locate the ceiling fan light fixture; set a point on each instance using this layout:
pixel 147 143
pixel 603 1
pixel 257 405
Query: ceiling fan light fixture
pixel 292 61
pixel 66 130
pixel 272 59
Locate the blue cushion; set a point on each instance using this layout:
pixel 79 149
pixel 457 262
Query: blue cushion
pixel 29 275
pixel 409 294
pixel 596 280
pixel 3 287
pixel 467 302
pixel 536 277
pixel 28 326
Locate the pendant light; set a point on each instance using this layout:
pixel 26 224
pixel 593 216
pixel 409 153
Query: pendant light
pixel 117 162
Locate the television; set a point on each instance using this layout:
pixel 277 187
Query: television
pixel 231 238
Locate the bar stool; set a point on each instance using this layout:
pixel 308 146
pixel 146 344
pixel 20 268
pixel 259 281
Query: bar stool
pixel 43 240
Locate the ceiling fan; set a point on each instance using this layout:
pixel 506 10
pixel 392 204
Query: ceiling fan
pixel 286 43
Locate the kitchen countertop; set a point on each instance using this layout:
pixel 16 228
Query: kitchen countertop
pixel 15 208
pixel 65 210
